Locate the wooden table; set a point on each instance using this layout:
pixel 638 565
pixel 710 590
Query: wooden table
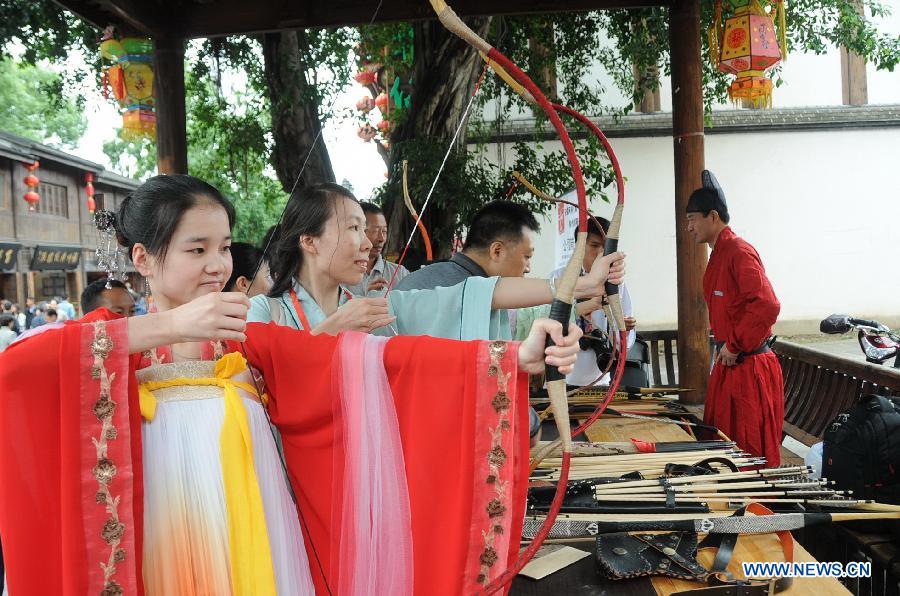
pixel 749 548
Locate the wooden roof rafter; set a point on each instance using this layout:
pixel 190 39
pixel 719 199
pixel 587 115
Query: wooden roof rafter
pixel 214 18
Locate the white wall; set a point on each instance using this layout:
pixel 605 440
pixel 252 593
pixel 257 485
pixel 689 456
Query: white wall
pixel 807 79
pixel 822 209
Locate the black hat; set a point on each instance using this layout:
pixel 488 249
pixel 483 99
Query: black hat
pixel 709 197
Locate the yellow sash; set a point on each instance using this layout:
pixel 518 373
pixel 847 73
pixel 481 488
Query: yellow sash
pixel 252 572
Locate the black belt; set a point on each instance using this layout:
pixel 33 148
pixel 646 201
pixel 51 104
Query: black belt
pixel 763 348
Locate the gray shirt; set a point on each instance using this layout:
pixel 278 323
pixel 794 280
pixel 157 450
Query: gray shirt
pixel 449 273
pixel 382 269
pixel 443 274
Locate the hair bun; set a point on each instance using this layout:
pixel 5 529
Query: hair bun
pixel 120 226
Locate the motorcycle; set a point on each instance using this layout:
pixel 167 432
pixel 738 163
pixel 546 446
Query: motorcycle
pixel 876 340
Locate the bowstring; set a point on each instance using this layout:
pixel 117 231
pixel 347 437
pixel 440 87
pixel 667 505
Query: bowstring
pixel 285 469
pixel 462 122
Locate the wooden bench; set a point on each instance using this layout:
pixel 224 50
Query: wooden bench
pixel 819 385
pixel 663 346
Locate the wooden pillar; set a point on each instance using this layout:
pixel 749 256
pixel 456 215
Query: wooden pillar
pixel 30 286
pixel 854 86
pixel 21 288
pixel 171 126
pixel 687 125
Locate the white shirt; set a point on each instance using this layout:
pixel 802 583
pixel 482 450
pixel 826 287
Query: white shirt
pixel 586 370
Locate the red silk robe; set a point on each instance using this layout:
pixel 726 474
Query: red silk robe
pixel 71 517
pixel 745 401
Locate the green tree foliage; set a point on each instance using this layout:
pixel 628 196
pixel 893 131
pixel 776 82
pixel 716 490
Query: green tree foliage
pixel 229 147
pixel 32 105
pixel 231 142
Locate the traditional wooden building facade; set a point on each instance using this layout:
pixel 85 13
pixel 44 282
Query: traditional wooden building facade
pixel 50 251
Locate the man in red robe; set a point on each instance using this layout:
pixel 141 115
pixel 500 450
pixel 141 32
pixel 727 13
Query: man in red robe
pixel 745 396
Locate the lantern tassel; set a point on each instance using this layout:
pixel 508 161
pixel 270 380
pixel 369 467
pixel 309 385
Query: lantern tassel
pixel 782 30
pixel 714 35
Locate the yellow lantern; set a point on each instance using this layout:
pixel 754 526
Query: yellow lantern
pixel 747 46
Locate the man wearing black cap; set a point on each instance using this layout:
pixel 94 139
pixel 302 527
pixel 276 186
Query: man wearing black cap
pixel 745 396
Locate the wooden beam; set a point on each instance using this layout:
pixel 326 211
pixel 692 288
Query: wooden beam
pixel 687 129
pixel 132 17
pixel 229 17
pixel 171 123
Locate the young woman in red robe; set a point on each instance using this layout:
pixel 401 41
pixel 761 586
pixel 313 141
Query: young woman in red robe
pixel 132 462
pixel 745 395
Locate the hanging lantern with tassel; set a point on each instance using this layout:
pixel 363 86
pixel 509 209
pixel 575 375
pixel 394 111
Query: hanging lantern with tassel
pixel 32 182
pixel 130 78
pixel 89 191
pixel 746 45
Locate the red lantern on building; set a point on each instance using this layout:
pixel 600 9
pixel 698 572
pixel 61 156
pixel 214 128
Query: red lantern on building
pixel 32 182
pixel 89 191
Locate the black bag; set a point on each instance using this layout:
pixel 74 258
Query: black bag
pixel 862 450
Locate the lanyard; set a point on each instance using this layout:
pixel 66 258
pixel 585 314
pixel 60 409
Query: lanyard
pixel 302 314
pixel 299 308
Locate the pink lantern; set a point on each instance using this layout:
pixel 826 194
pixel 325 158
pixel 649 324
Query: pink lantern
pixel 366 133
pixel 365 104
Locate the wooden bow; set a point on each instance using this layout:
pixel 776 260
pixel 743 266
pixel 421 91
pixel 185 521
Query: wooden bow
pixel 426 239
pixel 562 304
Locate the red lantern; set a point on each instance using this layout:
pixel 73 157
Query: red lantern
pixel 381 101
pixel 384 126
pixel 32 198
pixel 365 78
pixel 32 182
pixel 89 191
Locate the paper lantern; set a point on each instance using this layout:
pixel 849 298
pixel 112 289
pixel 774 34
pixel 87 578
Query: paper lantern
pixel 384 126
pixel 746 45
pixel 365 78
pixel 365 104
pixel 89 191
pixel 382 101
pixel 366 133
pixel 130 77
pixel 32 182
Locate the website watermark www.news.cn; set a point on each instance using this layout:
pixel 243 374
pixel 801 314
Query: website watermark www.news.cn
pixel 853 569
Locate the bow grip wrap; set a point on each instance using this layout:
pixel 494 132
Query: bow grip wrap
pixel 560 312
pixel 612 245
